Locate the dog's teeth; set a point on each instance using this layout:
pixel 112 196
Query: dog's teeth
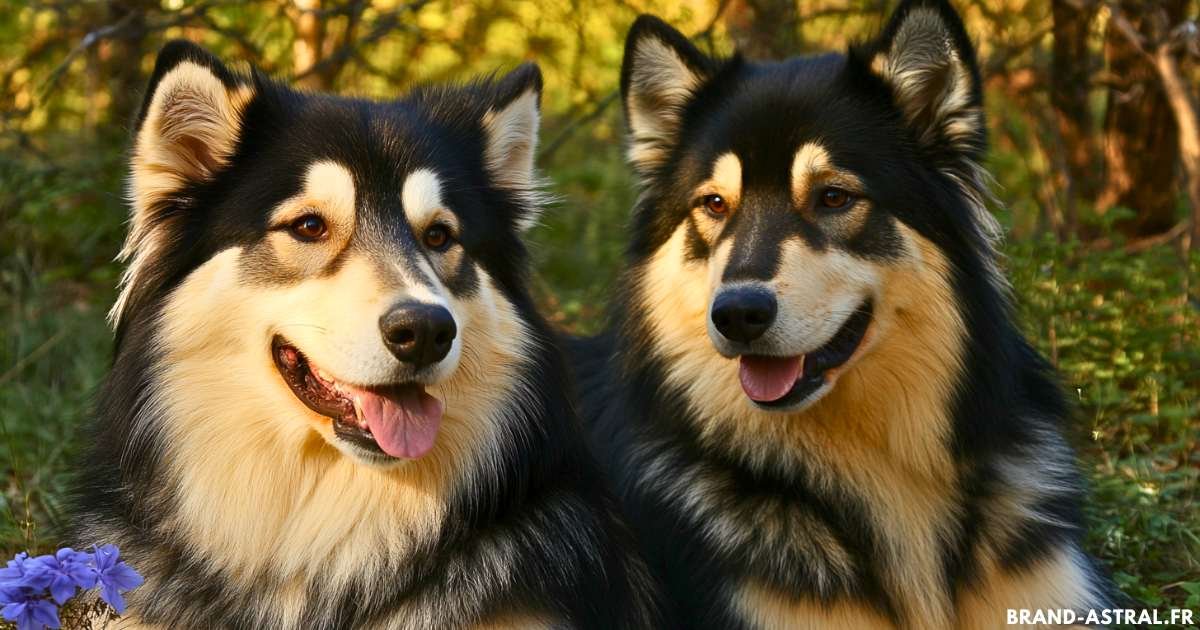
pixel 326 379
pixel 359 417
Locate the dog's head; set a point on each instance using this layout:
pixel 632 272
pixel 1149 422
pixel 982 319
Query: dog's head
pixel 324 266
pixel 804 213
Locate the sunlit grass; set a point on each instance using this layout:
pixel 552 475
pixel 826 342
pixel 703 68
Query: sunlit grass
pixel 54 349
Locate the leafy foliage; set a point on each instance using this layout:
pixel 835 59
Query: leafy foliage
pixel 1124 331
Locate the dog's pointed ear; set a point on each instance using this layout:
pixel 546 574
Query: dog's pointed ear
pixel 926 58
pixel 511 130
pixel 660 74
pixel 185 133
pixel 189 123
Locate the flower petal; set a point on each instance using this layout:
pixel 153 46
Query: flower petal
pixel 84 576
pixel 112 597
pixel 62 588
pixel 124 577
pixel 13 610
pixel 26 621
pixel 10 595
pixel 45 613
pixel 106 556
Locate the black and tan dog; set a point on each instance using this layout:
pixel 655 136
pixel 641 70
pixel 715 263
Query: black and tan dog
pixel 813 395
pixel 332 403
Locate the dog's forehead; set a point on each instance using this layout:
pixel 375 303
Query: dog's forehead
pixel 378 141
pixel 420 190
pixel 396 166
pixel 770 111
pixel 770 97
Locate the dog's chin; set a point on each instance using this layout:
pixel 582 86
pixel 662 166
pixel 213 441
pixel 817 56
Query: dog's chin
pixel 784 383
pixel 382 426
pixel 371 458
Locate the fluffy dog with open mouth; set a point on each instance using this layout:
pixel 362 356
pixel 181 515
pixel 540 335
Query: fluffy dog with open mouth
pixel 813 396
pixel 332 402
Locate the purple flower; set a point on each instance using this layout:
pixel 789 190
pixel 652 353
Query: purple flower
pixel 31 589
pixel 27 572
pixel 28 608
pixel 15 568
pixel 115 577
pixel 68 570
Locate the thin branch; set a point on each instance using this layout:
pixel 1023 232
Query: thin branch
pixel 996 63
pixel 1118 20
pixel 383 25
pixel 1185 37
pixel 842 12
pixel 89 40
pixel 125 26
pixel 1142 244
pixel 551 147
pixel 33 356
pixel 238 37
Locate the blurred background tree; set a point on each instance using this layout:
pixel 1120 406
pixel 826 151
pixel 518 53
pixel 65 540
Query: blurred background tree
pixel 1096 152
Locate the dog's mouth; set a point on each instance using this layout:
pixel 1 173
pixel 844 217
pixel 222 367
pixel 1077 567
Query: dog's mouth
pixel 398 420
pixel 778 382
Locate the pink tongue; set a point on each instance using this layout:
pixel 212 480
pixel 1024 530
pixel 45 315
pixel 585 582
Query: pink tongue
pixel 404 424
pixel 767 379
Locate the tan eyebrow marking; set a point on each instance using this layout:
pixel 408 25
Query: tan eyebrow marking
pixel 812 166
pixel 727 176
pixel 726 181
pixel 421 196
pixel 328 187
pixel 810 163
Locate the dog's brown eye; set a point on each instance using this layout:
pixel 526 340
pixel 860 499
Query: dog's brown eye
pixel 715 204
pixel 835 198
pixel 437 237
pixel 309 227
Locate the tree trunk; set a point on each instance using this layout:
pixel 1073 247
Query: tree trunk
pixel 308 44
pixel 1141 138
pixel 1187 120
pixel 764 29
pixel 1070 73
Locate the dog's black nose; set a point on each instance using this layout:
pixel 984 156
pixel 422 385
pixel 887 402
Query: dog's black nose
pixel 744 313
pixel 417 333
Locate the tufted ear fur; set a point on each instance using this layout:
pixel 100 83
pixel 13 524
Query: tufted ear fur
pixel 187 130
pixel 927 62
pixel 511 127
pixel 660 74
pixel 926 58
